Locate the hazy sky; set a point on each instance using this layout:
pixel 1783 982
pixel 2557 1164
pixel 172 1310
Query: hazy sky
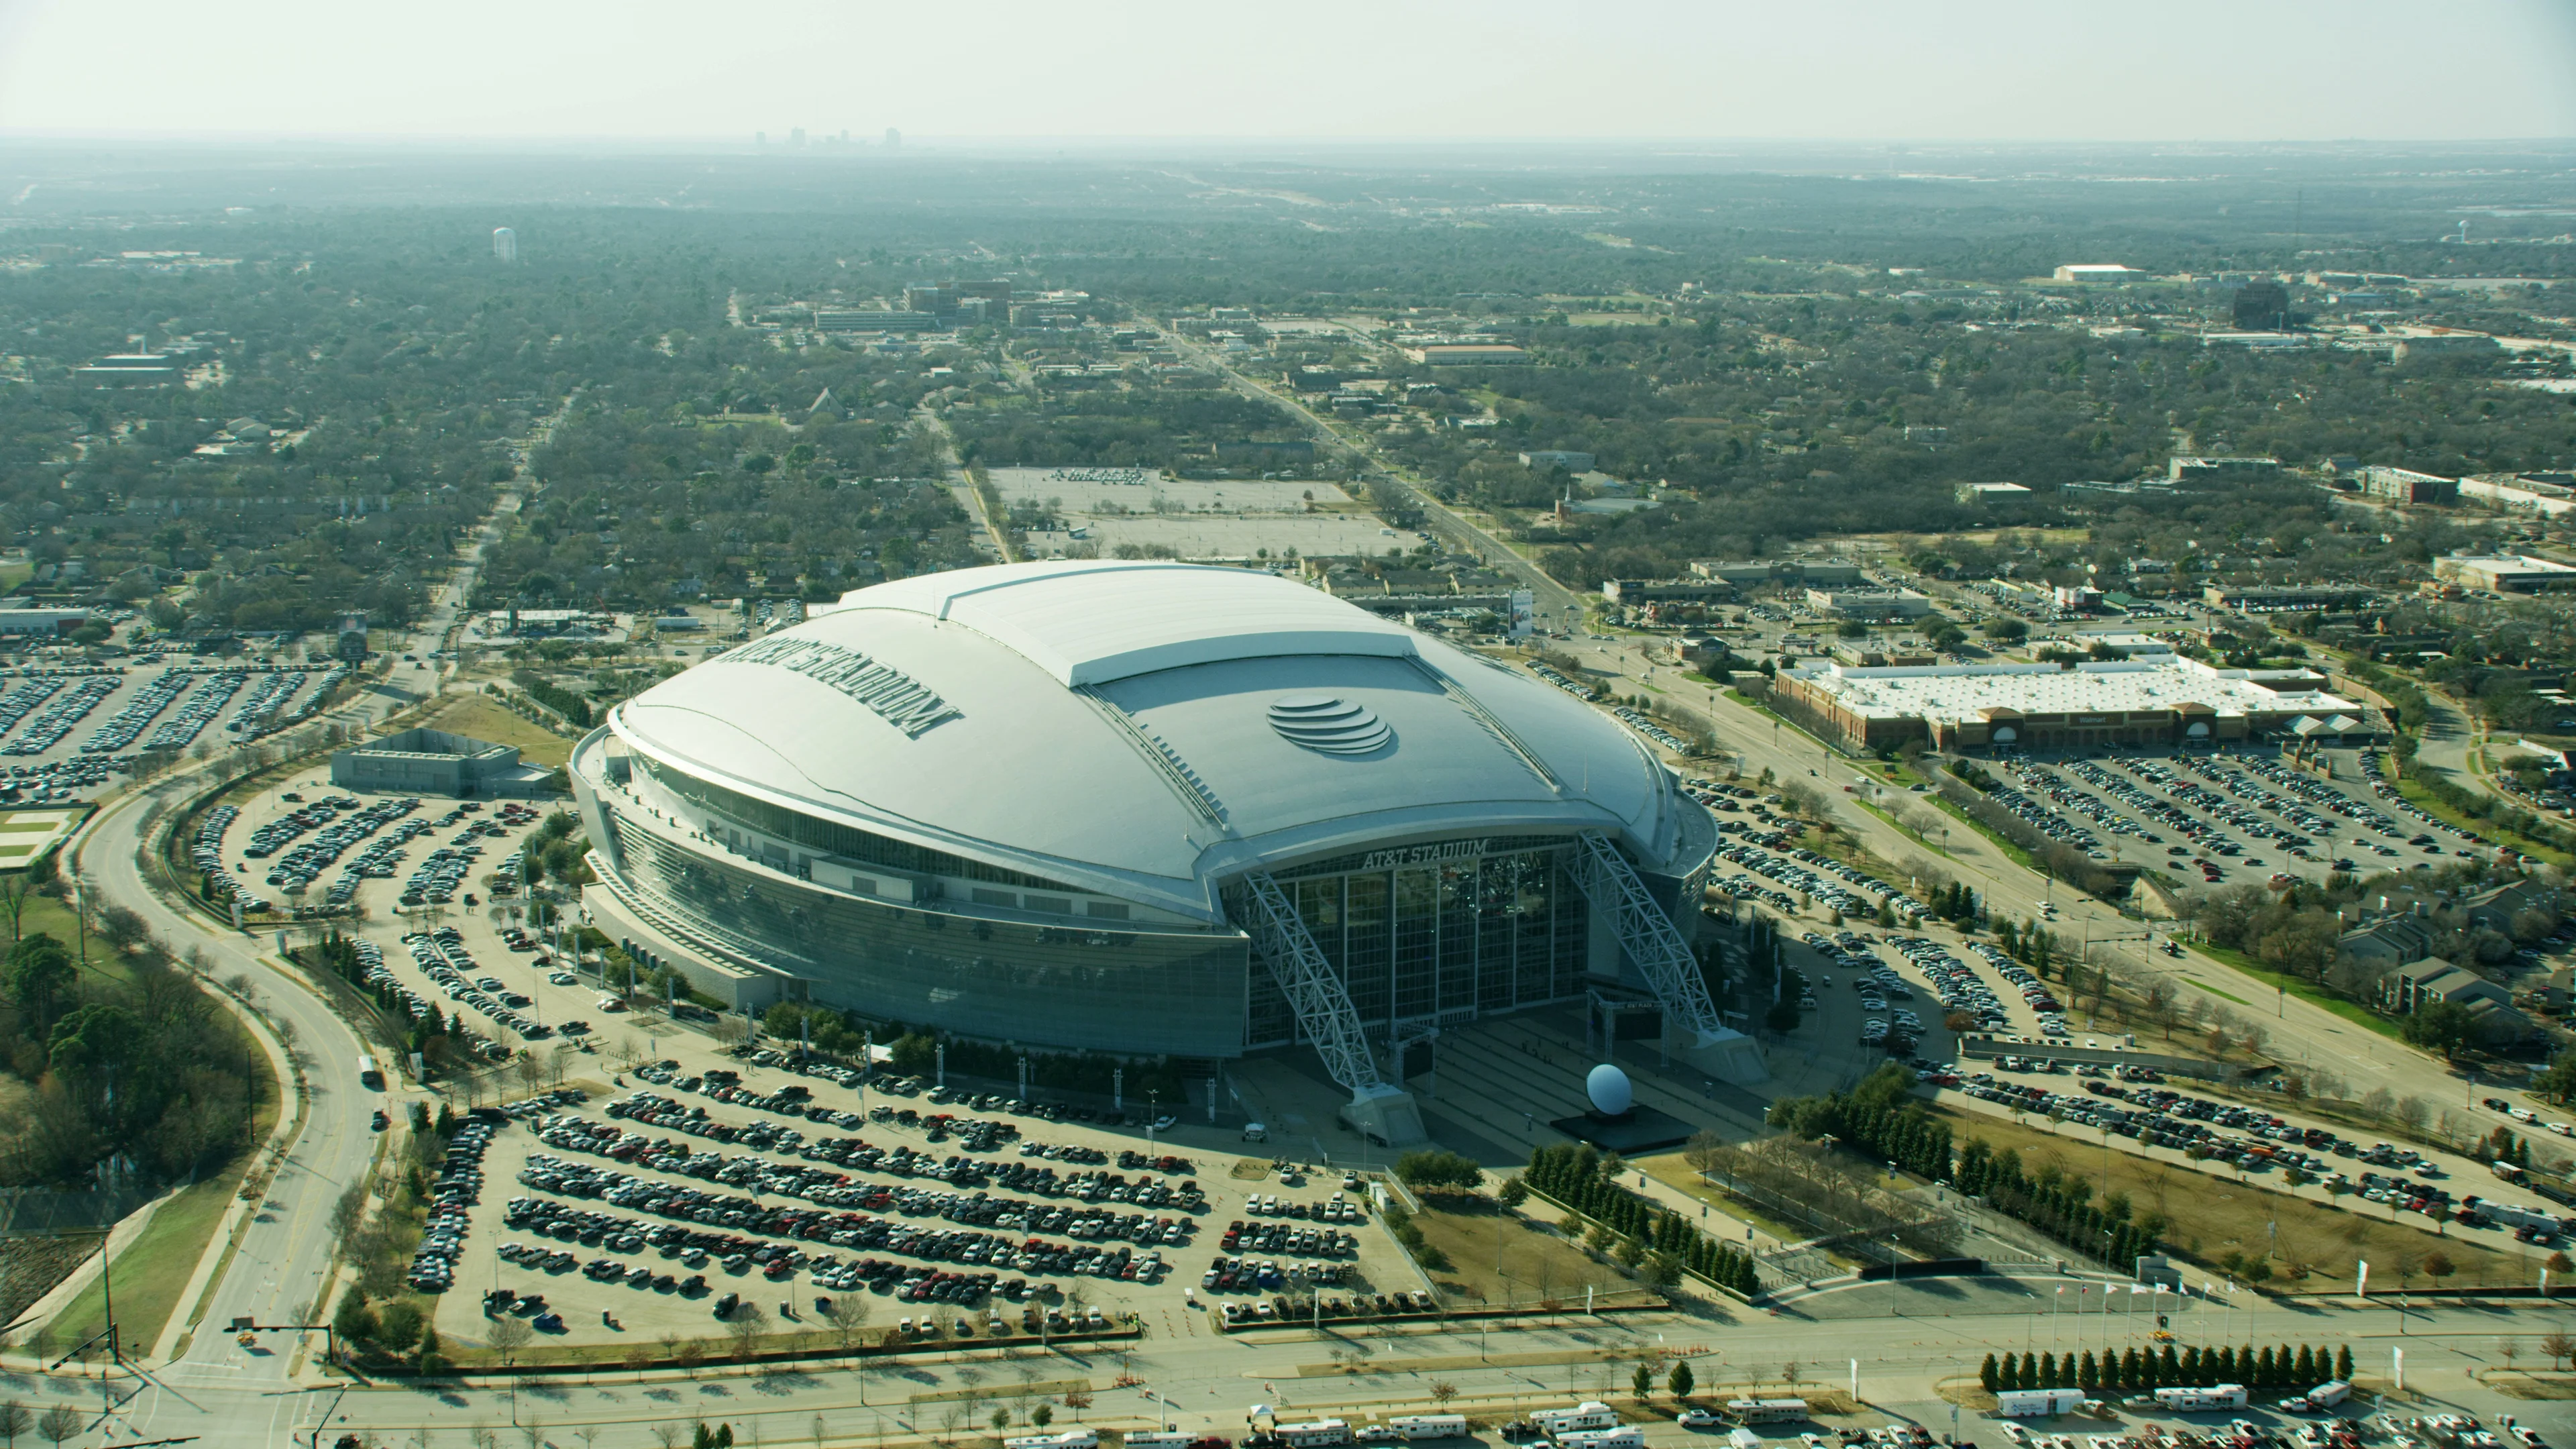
pixel 718 70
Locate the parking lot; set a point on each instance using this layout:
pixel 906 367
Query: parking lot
pixel 2219 818
pixel 67 732
pixel 677 1199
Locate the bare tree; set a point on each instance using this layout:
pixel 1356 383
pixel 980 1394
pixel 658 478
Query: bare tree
pixel 507 1336
pixel 59 1423
pixel 14 1421
pixel 747 1323
pixel 847 1315
pixel 16 888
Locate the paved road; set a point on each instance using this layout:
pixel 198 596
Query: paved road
pixel 278 1274
pixel 1905 1338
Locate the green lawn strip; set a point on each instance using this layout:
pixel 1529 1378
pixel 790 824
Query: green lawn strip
pixel 1902 828
pixel 2307 991
pixel 151 1271
pixel 2012 852
pixel 2412 791
pixel 2214 991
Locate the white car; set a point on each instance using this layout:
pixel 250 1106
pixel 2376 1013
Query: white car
pixel 1699 1419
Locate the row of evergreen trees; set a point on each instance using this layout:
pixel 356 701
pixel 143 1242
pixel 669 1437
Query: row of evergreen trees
pixel 2057 1204
pixel 1954 902
pixel 1579 1178
pixel 2138 1370
pixel 1881 1119
pixel 338 955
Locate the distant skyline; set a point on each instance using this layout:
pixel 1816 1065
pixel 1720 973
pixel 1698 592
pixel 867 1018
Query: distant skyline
pixel 567 70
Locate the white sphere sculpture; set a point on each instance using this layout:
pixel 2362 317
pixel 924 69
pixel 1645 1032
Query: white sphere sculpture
pixel 1609 1090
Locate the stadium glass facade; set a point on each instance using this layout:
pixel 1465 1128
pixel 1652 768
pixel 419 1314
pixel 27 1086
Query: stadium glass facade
pixel 975 973
pixel 1441 932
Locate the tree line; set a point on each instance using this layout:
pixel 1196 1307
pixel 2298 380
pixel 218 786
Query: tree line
pixel 1582 1179
pixel 2144 1370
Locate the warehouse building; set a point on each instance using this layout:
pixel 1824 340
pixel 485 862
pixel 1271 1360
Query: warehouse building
pixel 434 762
pixel 2157 701
pixel 2506 573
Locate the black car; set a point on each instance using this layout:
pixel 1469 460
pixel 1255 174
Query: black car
pixel 726 1305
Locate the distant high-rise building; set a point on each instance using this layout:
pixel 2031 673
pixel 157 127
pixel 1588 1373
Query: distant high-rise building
pixel 2262 307
pixel 505 244
pixel 796 137
pixel 893 136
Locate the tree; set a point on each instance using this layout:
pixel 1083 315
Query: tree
pixel 1989 1377
pixel 16 888
pixel 2558 1082
pixel 1442 1391
pixel 399 1326
pixel 747 1323
pixel 1643 1382
pixel 59 1423
pixel 14 1419
pixel 847 1315
pixel 1680 1382
pixel 1439 1168
pixel 2559 1345
pixel 1513 1192
pixel 2440 1026
pixel 355 1322
pixel 507 1336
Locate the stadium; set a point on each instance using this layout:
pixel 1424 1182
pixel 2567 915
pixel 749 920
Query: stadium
pixel 1148 808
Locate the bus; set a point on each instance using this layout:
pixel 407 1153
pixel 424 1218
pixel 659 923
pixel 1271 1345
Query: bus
pixel 368 1077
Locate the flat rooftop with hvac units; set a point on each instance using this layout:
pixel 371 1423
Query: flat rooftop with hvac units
pixel 1147 808
pixel 434 762
pixel 2158 701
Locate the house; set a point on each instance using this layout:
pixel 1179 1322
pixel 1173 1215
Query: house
pixel 2389 941
pixel 2418 983
pixel 2421 983
pixel 2496 908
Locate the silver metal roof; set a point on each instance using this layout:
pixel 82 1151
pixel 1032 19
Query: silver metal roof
pixel 1137 730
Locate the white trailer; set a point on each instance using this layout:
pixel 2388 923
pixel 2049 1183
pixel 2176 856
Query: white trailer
pixel 1628 1436
pixel 1069 1439
pixel 2037 1403
pixel 2192 1401
pixel 1314 1434
pixel 1766 1411
pixel 1412 1427
pixel 2323 1396
pixel 1590 1414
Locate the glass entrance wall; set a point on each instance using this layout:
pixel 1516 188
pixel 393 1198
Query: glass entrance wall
pixel 1441 932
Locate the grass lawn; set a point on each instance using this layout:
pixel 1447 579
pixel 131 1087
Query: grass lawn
pixel 152 1270
pixel 2214 1215
pixel 474 715
pixel 2012 852
pixel 2214 991
pixel 1671 1169
pixel 1504 1257
pixel 2307 991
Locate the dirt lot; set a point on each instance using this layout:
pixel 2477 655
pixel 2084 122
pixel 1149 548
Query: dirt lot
pixel 2300 1237
pixel 1509 1258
